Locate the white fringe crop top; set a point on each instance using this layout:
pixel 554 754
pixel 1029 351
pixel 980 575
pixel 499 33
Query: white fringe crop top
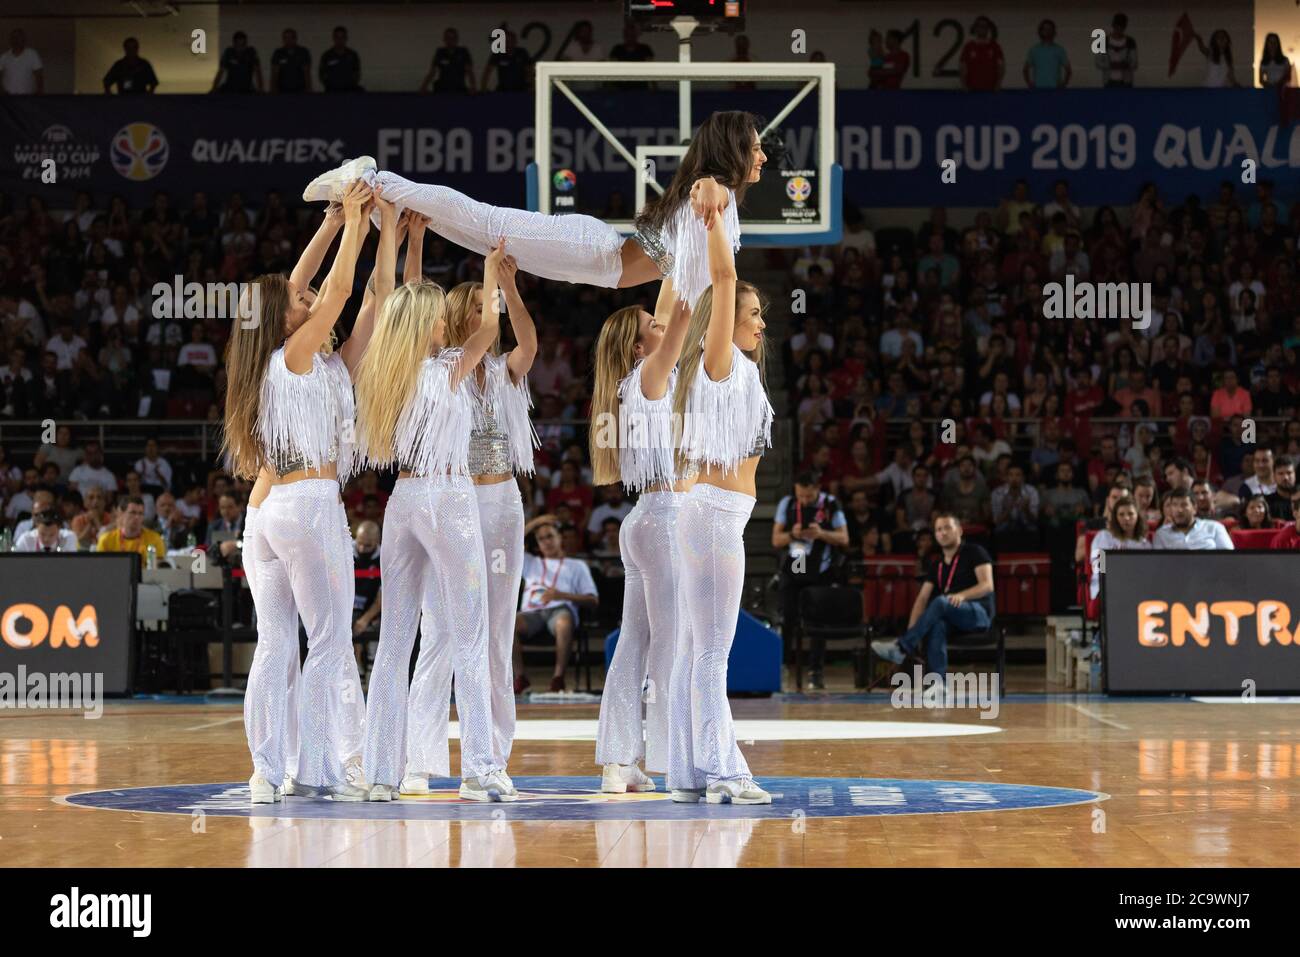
pixel 307 421
pixel 645 434
pixel 727 421
pixel 502 438
pixel 432 435
pixel 681 249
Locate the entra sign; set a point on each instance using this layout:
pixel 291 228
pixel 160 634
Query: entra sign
pixel 1271 621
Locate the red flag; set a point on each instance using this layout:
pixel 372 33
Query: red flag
pixel 1182 39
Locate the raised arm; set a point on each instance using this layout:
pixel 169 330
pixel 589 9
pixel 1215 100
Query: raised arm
pixel 416 226
pixel 382 277
pixel 722 321
pixel 540 520
pixel 675 316
pixel 311 335
pixel 521 357
pixel 309 262
pixel 477 344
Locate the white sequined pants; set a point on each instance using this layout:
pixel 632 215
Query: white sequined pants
pixel 501 520
pixel 433 568
pixel 569 248
pixel 301 565
pixel 648 545
pixel 710 540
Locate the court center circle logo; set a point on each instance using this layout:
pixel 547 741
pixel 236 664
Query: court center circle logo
pixel 563 798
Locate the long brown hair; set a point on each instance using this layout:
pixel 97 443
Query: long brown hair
pixel 248 352
pixel 615 356
pixel 1117 530
pixel 722 148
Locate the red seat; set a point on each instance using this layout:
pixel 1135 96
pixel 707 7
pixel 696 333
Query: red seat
pixel 885 587
pixel 1023 583
pixel 1252 539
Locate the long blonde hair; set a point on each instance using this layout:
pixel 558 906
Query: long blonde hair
pixel 615 356
pixel 248 352
pixel 390 368
pixel 460 313
pixel 693 350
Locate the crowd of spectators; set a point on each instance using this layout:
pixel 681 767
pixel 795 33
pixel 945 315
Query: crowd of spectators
pixel 507 66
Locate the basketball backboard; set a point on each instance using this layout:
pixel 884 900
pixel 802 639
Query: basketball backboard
pixel 616 132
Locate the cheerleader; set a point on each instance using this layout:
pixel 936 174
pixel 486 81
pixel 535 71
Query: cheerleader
pixel 632 442
pixel 289 409
pixel 501 444
pixel 721 401
pixel 414 407
pixel 724 158
pixel 254 553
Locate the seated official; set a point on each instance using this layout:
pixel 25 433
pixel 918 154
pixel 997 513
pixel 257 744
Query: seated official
pixel 554 587
pixel 1185 531
pixel 130 535
pixel 809 525
pixel 959 579
pixel 47 534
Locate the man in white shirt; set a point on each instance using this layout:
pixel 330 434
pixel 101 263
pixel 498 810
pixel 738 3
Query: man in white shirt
pixel 66 346
pixel 21 70
pixel 554 587
pixel 811 337
pixel 92 474
pixel 155 471
pixel 46 535
pixel 1186 531
pixel 1263 482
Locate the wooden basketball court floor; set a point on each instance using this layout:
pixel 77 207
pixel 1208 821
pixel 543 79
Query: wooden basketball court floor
pixel 1166 782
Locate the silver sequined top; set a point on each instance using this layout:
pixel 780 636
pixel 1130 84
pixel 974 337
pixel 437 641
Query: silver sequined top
pixel 652 244
pixel 489 446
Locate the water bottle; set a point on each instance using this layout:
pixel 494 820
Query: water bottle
pixel 6 539
pixel 151 558
pixel 191 542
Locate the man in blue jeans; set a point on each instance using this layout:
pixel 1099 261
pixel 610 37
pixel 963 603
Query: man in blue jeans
pixel 960 580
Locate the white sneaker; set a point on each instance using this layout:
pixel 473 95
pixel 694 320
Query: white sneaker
pixel 381 792
pixel 687 795
pixel 489 787
pixel 415 783
pixel 288 788
pixel 621 778
pixel 737 791
pixel 331 185
pixel 348 792
pixel 261 791
pixel 354 774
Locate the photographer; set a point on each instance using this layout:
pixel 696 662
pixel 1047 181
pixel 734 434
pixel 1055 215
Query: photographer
pixel 809 525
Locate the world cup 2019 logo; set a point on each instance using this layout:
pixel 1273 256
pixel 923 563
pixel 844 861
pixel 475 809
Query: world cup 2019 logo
pixel 798 188
pixel 139 151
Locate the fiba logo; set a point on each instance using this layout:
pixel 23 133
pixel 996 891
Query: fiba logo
pixel 58 134
pixel 564 180
pixel 798 188
pixel 139 151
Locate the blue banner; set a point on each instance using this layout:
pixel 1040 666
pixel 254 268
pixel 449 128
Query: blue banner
pixel 892 144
